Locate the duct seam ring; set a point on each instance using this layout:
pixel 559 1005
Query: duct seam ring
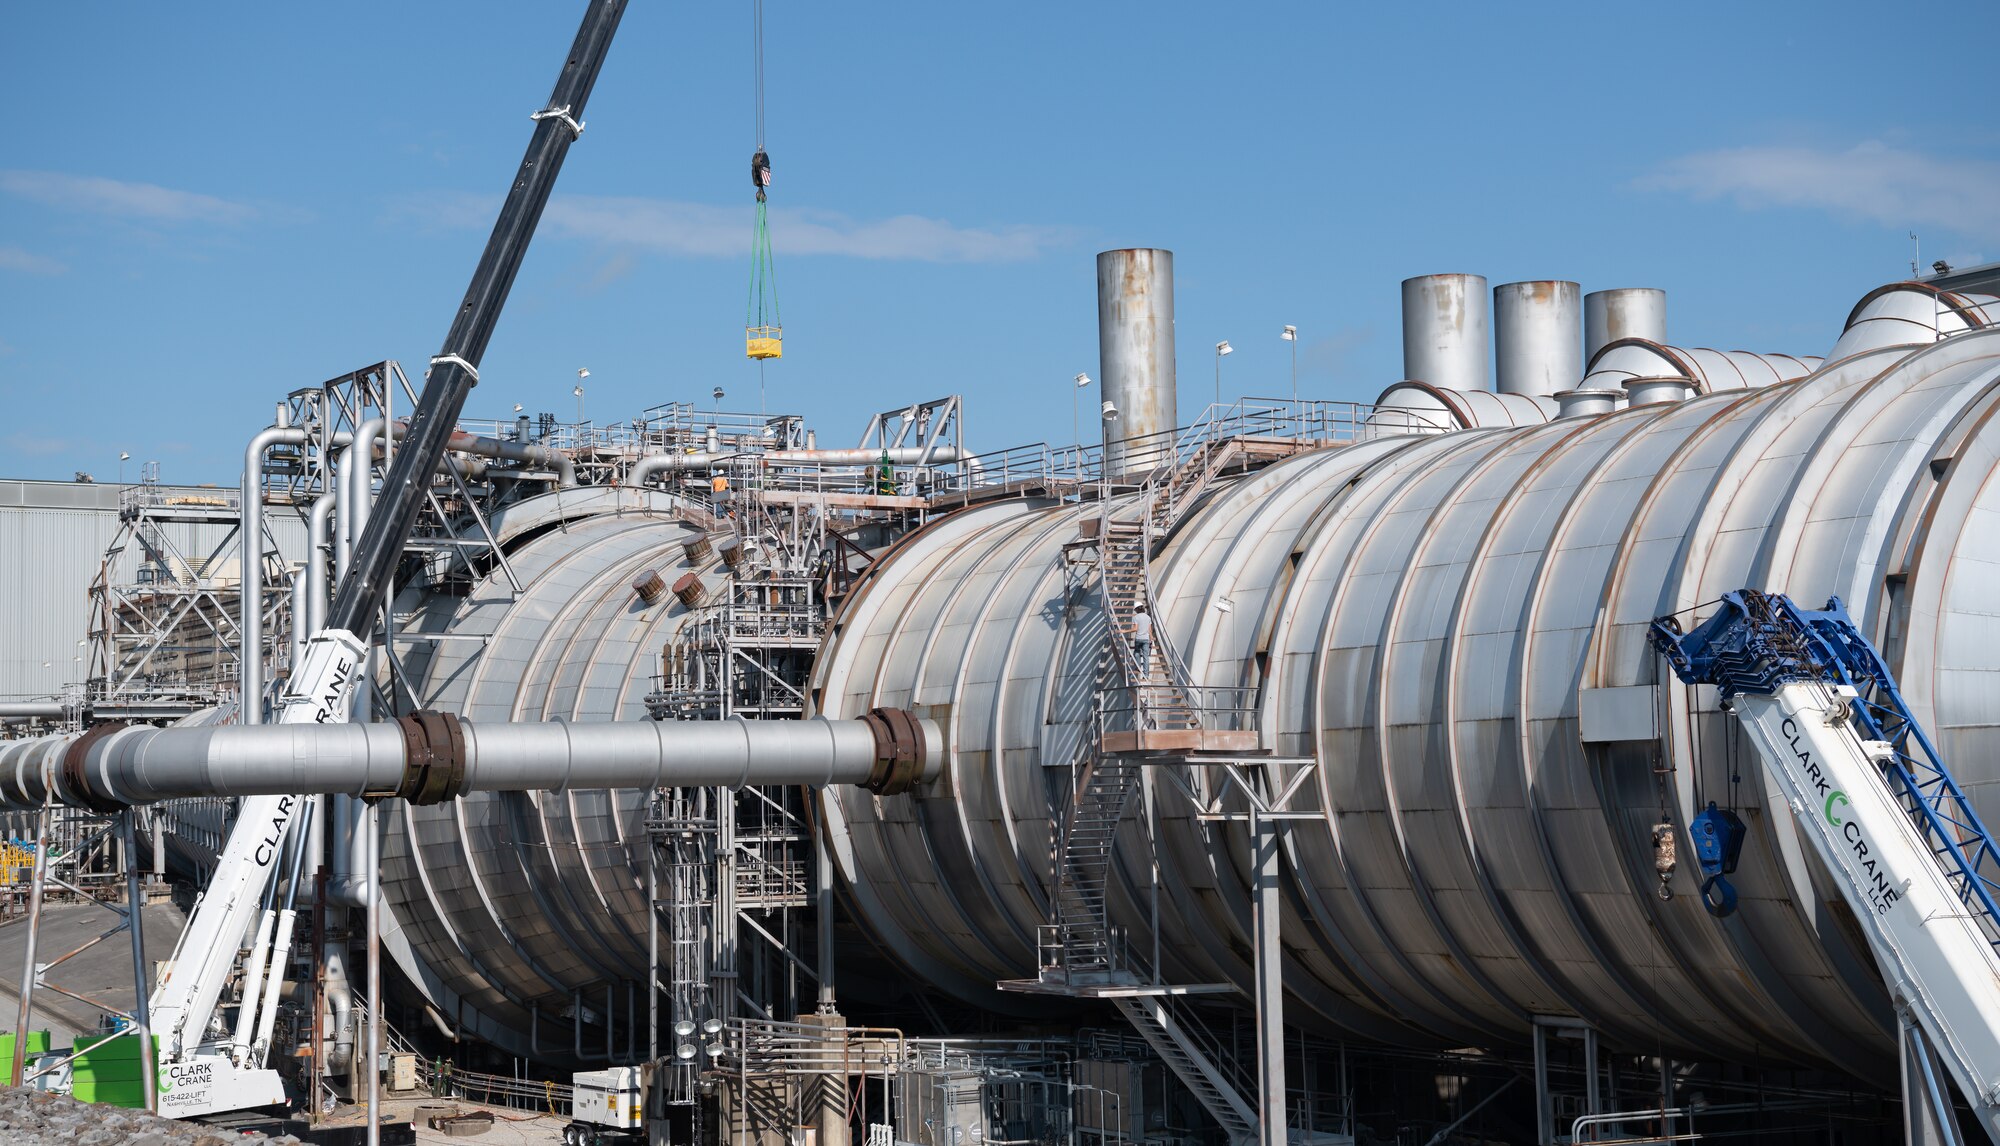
pixel 899 751
pixel 76 773
pixel 455 360
pixel 434 758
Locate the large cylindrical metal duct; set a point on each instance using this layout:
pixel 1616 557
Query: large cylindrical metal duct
pixel 1623 312
pixel 1453 626
pixel 1135 356
pixel 1445 339
pixel 1537 336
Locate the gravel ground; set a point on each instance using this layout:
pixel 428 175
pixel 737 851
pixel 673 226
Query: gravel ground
pixel 32 1118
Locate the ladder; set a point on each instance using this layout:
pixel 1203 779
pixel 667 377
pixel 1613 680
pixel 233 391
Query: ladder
pixel 1870 793
pixel 1192 1056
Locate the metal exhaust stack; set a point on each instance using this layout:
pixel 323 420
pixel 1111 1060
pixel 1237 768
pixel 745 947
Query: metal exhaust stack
pixel 1135 356
pixel 1585 403
pixel 1627 312
pixel 1537 336
pixel 1657 390
pixel 1444 331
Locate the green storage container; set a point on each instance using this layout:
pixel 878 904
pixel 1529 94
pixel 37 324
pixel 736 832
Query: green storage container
pixel 109 1070
pixel 38 1043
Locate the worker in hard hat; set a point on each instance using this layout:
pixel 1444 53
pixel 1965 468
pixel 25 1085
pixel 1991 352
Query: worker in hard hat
pixel 718 489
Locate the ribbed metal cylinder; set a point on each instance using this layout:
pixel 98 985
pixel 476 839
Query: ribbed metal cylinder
pixel 1427 617
pixel 1624 312
pixel 1445 340
pixel 1537 337
pixel 1135 354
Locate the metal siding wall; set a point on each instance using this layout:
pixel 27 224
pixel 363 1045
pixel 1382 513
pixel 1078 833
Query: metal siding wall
pixel 52 540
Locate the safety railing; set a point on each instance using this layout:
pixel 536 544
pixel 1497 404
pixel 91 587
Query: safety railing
pixel 446 1080
pixel 1083 952
pixel 1218 708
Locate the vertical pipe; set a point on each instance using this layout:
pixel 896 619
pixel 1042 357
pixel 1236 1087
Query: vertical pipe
pixel 823 877
pixel 142 1020
pixel 1271 1124
pixel 317 553
pixel 1626 312
pixel 298 641
pixel 371 826
pixel 1545 1132
pixel 159 837
pixel 1537 337
pixel 250 562
pixel 1135 355
pixel 28 975
pixel 652 950
pixel 1445 331
pixel 1592 1103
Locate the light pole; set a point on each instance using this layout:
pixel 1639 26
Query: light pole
pixel 1291 335
pixel 1110 413
pixel 123 457
pixel 1215 413
pixel 581 374
pixel 1076 418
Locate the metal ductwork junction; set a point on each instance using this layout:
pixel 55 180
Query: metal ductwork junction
pixel 1424 622
pixel 1453 626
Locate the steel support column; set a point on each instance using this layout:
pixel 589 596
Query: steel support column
pixel 142 980
pixel 1271 1121
pixel 29 973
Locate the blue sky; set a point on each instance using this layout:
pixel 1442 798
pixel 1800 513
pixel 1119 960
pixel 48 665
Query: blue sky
pixel 205 206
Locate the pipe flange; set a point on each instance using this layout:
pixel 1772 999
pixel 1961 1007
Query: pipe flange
pixel 76 771
pixel 899 751
pixel 434 757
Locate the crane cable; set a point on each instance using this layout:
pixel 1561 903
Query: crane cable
pixel 763 327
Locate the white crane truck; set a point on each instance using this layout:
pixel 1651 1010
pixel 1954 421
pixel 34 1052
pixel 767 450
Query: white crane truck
pixel 1871 795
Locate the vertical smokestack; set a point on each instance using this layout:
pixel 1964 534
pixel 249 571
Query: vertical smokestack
pixel 1537 337
pixel 1628 312
pixel 1135 354
pixel 1444 331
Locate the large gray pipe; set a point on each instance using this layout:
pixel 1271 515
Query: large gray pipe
pixel 1537 337
pixel 1135 356
pixel 556 460
pixel 1626 312
pixel 651 466
pixel 31 709
pixel 432 757
pixel 1445 331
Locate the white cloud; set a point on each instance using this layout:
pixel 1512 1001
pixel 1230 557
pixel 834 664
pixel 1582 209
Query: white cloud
pixel 704 230
pixel 1872 181
pixel 16 259
pixel 96 195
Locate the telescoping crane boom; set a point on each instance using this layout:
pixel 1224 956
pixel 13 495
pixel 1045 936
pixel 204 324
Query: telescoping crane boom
pixel 205 1070
pixel 1870 793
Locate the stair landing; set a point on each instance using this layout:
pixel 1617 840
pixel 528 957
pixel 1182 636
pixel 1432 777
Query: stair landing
pixel 1177 741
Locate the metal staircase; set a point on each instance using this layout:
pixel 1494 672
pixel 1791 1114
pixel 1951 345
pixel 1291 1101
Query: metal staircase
pixel 1192 1055
pixel 1084 947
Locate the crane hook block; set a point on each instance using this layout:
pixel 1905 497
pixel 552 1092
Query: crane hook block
pixel 1718 843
